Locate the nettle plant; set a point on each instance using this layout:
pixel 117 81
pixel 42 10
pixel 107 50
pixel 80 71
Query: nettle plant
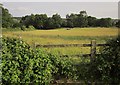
pixel 16 61
pixel 22 64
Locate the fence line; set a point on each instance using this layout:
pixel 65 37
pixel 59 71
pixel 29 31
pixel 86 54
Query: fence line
pixel 68 45
pixel 93 46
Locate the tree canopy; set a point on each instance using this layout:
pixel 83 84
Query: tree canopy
pixel 7 20
pixel 42 21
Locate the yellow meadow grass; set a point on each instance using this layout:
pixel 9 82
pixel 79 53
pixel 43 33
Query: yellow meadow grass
pixel 63 36
pixel 38 35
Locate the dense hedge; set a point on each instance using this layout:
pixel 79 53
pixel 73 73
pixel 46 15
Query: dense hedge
pixel 22 64
pixel 16 61
pixel 105 69
pixel 108 64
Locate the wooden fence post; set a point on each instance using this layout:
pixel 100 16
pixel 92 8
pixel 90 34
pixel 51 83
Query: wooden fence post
pixel 93 49
pixel 35 45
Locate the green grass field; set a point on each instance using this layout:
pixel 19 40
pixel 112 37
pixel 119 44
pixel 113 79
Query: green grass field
pixel 63 36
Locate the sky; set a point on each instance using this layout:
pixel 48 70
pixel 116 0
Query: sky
pixel 59 0
pixel 96 9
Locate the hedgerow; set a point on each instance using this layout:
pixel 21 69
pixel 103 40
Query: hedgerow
pixel 105 69
pixel 16 61
pixel 22 64
pixel 108 64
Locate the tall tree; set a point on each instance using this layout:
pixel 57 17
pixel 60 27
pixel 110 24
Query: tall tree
pixel 69 21
pixel 91 21
pixel 7 20
pixel 25 21
pixel 57 20
pixel 40 20
pixel 49 23
pixel 83 13
pixel 64 23
pixel 82 19
pixel 73 18
pixel 104 22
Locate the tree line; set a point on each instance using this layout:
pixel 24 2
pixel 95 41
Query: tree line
pixel 42 21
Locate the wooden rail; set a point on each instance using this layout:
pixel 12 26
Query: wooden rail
pixel 93 46
pixel 70 45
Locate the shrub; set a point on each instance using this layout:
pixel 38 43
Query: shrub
pixel 106 67
pixel 62 67
pixel 16 61
pixel 22 64
pixel 110 62
pixel 31 27
pixel 42 67
pixel 23 28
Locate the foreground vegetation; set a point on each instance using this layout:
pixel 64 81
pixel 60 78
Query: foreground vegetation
pixel 24 63
pixel 27 65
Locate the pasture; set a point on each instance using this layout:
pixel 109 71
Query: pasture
pixel 63 36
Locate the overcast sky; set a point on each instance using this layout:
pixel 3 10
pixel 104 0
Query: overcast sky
pixel 97 9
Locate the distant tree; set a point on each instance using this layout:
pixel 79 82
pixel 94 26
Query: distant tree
pixel 82 19
pixel 64 23
pixel 91 21
pixel 104 22
pixel 57 20
pixel 32 19
pixel 7 20
pixel 77 20
pixel 25 21
pixel 17 24
pixel 41 21
pixel 69 21
pixel 83 13
pixel 82 22
pixel 28 20
pixel 118 24
pixel 38 21
pixel 73 18
pixel 50 23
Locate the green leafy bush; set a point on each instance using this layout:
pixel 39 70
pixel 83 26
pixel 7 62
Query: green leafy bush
pixel 42 67
pixel 22 64
pixel 106 67
pixel 62 67
pixel 16 61
pixel 110 62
